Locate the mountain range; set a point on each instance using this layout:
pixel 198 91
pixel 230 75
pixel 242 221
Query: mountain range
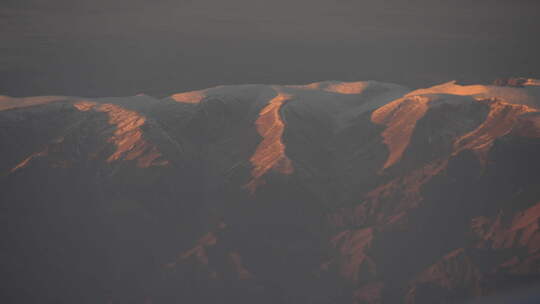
pixel 330 192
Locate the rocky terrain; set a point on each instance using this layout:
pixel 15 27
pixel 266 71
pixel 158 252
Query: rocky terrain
pixel 331 192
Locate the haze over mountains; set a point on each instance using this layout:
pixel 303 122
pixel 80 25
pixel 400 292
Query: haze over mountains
pixel 330 192
pixel 125 47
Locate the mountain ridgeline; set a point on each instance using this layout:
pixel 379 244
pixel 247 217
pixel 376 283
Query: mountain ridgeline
pixel 331 192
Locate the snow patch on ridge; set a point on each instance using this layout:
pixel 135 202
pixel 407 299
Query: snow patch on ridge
pixel 401 115
pixel 501 120
pixel 7 102
pixel 128 135
pixel 270 153
pixel 529 95
pixel 400 118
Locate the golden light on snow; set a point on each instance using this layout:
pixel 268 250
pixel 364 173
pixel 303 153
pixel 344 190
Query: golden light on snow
pixel 346 88
pixel 7 102
pixel 400 117
pixel 501 120
pixel 128 135
pixel 270 154
pixel 189 97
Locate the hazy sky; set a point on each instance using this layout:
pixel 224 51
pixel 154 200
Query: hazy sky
pixel 125 47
